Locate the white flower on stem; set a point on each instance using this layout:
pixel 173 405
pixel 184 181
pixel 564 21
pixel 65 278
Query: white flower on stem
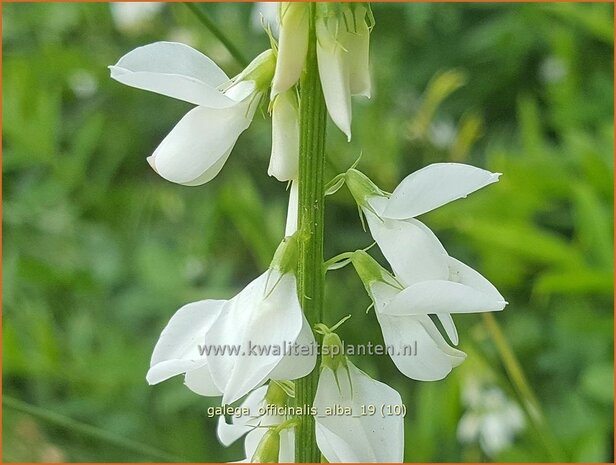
pixel 406 334
pixel 178 349
pixel 262 320
pixel 284 162
pixel 355 437
pixel 343 39
pixel 255 425
pixel 427 280
pixel 198 146
pixel 229 347
pixel 292 46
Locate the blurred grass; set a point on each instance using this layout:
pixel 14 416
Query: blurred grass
pixel 98 252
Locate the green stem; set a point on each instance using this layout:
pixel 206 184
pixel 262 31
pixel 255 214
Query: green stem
pixel 211 25
pixel 88 430
pixel 311 205
pixel 525 392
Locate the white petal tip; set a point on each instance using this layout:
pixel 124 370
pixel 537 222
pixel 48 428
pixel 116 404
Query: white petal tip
pixel 151 161
pixel 150 379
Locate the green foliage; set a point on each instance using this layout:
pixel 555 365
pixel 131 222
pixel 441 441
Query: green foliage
pixel 99 251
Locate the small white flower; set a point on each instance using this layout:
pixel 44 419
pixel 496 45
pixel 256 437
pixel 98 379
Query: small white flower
pixel 434 358
pixel 427 280
pixel 267 315
pixel 492 419
pixel 343 41
pixel 198 146
pixel 284 162
pixel 292 46
pixel 346 438
pixel 230 347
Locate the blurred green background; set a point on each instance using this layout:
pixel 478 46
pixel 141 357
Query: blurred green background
pixel 98 251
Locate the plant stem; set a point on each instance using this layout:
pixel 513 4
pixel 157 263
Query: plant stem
pixel 311 205
pixel 98 434
pixel 214 29
pixel 525 392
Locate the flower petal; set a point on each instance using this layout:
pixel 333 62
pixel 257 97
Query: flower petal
pixel 413 251
pixel 198 146
pixel 228 433
pixel 358 46
pixel 292 46
pixel 287 446
pixel 177 349
pixel 284 161
pixel 434 358
pixel 302 359
pixel 449 326
pixel 334 77
pixel 440 296
pixel 435 185
pixel 464 274
pixel 175 70
pixel 261 325
pixel 292 210
pixel 200 382
pixel 356 437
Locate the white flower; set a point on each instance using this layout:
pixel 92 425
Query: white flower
pixel 427 280
pixel 418 348
pixel 230 347
pixel 263 319
pixel 284 162
pixel 178 349
pixel 343 37
pixel 199 145
pixel 353 437
pixel 255 425
pixel 491 418
pixel 343 40
pixel 292 46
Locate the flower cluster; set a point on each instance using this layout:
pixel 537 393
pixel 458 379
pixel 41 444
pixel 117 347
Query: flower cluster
pixel 207 341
